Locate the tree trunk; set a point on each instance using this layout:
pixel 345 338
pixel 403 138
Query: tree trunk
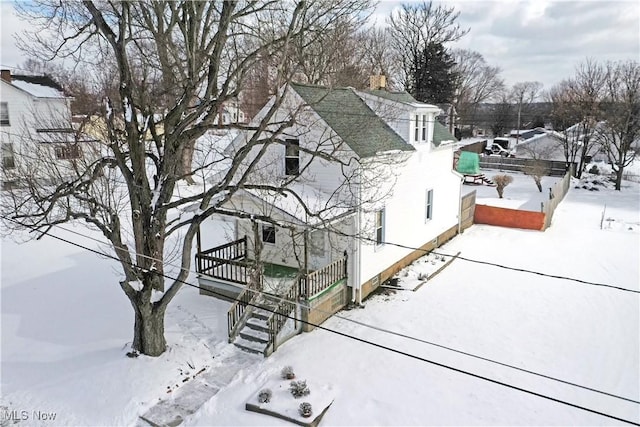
pixel 148 332
pixel 186 161
pixel 619 178
pixel 538 181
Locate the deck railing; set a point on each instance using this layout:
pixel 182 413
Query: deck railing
pixel 225 262
pixel 321 279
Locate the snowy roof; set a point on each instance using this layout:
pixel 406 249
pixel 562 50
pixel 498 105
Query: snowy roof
pixel 352 119
pixel 38 86
pixel 321 206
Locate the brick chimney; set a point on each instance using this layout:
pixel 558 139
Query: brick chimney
pixel 5 75
pixel 377 82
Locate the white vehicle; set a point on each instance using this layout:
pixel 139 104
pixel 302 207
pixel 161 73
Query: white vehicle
pixel 497 149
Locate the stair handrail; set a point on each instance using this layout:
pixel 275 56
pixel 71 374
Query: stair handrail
pixel 241 308
pixel 280 316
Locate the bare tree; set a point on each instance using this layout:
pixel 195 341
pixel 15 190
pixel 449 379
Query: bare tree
pixel 576 105
pixel 501 115
pixel 538 152
pixel 378 54
pixel 176 64
pixel 414 28
pixel 476 82
pixel 522 95
pixel 333 56
pixel 621 112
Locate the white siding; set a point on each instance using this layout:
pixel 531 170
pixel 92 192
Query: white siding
pixel 27 114
pixel 314 136
pixel 405 209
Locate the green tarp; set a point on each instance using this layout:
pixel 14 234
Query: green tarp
pixel 468 163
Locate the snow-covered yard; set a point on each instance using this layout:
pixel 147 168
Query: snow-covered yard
pixel 521 194
pixel 66 326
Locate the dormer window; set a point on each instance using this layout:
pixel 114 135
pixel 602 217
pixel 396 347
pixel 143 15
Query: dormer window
pixel 420 128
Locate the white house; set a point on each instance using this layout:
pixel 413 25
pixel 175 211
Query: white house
pixel 230 113
pixel 368 186
pixel 35 124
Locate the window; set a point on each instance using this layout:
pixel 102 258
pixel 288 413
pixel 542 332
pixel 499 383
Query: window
pixel 317 243
pixel 291 157
pixel 424 127
pixel 8 161
pixel 4 114
pixel 269 234
pixel 379 226
pixel 68 152
pixel 417 128
pixel 428 212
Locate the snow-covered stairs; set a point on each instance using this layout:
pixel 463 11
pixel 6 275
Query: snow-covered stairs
pixel 254 334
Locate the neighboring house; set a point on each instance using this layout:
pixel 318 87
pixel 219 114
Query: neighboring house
pixel 368 188
pixel 230 113
pixel 547 145
pixel 526 133
pixel 35 125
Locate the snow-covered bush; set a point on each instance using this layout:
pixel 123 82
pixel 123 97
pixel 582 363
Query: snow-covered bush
pixel 287 373
pixel 265 396
pixel 305 409
pixel 299 388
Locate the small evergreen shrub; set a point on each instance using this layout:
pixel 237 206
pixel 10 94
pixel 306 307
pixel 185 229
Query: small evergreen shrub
pixel 594 170
pixel 299 389
pixel 305 409
pixel 287 373
pixel 265 396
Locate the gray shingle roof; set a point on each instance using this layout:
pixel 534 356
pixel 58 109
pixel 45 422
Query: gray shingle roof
pixel 354 122
pixel 394 96
pixel 441 134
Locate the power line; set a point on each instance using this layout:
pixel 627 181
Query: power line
pixel 391 332
pixel 403 353
pixel 493 264
pixel 498 265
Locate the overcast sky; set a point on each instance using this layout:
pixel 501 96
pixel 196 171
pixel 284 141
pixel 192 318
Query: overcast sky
pixel 530 40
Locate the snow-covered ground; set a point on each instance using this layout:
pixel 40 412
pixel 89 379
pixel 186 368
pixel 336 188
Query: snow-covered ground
pixel 521 194
pixel 66 326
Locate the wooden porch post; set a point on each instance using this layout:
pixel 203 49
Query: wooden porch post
pixel 198 241
pixel 306 250
pixel 257 249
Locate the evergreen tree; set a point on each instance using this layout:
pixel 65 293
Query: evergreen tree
pixel 433 77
